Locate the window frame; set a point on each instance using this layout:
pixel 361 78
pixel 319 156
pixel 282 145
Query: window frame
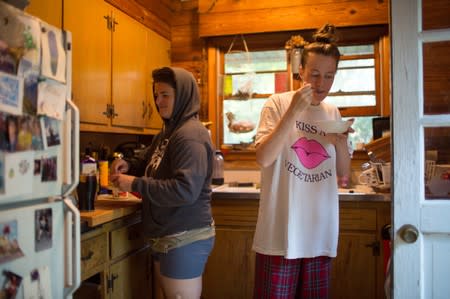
pixel 216 48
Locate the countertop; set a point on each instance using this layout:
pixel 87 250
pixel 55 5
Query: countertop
pixel 106 209
pixel 252 192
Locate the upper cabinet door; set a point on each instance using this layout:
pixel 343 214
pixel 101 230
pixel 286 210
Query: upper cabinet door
pixel 158 56
pixel 47 10
pixel 129 71
pixel 91 62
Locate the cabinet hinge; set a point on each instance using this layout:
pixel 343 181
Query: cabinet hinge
pixel 110 282
pixel 110 111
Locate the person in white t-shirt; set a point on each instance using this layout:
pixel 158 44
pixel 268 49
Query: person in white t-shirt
pixel 297 229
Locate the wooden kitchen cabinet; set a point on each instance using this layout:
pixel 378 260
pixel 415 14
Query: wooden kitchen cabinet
pixel 230 267
pixel 357 272
pixel 116 261
pixel 158 56
pixel 110 68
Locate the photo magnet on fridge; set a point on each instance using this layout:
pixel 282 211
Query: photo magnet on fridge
pixel 51 131
pixel 11 93
pixel 43 229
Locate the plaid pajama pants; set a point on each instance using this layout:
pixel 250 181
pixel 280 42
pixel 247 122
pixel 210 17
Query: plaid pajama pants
pixel 280 278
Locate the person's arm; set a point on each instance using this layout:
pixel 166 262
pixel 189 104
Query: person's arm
pixel 270 146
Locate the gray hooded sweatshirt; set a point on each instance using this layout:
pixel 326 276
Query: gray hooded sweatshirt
pixel 175 170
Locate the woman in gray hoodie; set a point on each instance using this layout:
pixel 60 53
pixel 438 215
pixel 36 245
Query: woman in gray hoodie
pixel 173 176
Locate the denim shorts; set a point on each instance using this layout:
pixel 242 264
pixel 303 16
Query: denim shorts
pixel 187 261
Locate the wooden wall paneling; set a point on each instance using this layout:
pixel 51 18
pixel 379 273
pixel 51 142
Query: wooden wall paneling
pixel 213 109
pixel 145 16
pixel 385 86
pixel 245 16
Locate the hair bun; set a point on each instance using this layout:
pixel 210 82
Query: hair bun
pixel 326 34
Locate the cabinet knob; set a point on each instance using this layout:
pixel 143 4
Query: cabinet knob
pixel 408 233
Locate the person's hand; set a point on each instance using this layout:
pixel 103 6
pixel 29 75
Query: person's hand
pixel 119 166
pixel 122 181
pixel 302 98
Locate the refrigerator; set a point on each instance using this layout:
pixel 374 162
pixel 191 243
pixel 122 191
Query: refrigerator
pixel 39 160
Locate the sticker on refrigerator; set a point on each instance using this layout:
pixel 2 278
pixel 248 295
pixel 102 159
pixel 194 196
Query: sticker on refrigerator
pixel 18 173
pixel 37 284
pixel 9 245
pixel 43 229
pixel 51 99
pixel 10 284
pixel 53 54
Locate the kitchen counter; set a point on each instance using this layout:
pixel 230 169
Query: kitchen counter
pixel 251 192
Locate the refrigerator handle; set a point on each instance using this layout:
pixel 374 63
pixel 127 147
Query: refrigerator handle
pixel 75 147
pixel 72 244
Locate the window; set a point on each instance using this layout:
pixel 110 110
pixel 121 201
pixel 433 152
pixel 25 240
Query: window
pixel 360 90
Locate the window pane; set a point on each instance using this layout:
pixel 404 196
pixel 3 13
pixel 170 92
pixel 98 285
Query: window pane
pixel 437 163
pixel 256 83
pixel 353 50
pixel 436 74
pixel 240 120
pixel 363 131
pixel 347 80
pixel 242 62
pixel 356 63
pixel 352 100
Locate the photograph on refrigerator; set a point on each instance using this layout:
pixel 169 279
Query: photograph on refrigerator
pixel 11 285
pixel 9 246
pixel 43 223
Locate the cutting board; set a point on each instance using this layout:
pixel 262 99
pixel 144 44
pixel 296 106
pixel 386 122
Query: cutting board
pixel 108 209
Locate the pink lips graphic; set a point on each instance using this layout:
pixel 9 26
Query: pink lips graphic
pixel 310 152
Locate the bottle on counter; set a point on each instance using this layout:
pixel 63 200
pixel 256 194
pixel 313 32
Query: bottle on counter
pixel 217 175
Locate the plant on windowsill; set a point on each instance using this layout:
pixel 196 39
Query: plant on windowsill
pixel 294 47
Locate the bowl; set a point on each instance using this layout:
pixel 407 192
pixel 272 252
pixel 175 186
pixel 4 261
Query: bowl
pixel 334 126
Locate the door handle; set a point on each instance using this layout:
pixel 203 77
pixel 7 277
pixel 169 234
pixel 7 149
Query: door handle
pixel 408 233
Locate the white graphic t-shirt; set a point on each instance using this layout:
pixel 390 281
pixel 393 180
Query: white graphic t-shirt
pixel 298 212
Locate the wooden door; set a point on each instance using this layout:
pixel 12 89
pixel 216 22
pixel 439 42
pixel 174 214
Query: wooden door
pixel 91 61
pixel 421 71
pixel 129 71
pixel 158 55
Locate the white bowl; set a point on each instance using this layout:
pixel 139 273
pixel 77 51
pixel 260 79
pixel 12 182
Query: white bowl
pixel 334 126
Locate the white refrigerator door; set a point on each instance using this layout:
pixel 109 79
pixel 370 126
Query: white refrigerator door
pixel 34 244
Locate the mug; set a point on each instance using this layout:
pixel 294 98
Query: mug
pixel 386 171
pixel 369 177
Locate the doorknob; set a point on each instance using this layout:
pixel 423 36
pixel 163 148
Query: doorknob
pixel 408 233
